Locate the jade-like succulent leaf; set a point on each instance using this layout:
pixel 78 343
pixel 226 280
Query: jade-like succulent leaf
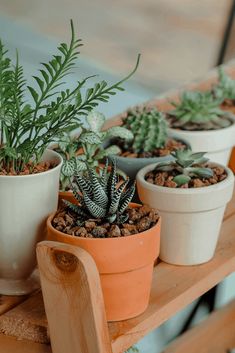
pixel 202 172
pixel 181 179
pixel 187 165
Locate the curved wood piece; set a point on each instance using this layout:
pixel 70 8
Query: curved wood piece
pixel 214 334
pixel 73 299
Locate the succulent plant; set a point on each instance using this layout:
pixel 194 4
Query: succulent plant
pixel 101 198
pixel 226 86
pixel 199 111
pixel 188 165
pixel 67 147
pixel 92 139
pixel 149 128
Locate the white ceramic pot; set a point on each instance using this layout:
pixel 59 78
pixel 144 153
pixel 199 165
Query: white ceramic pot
pixel 191 218
pixel 217 143
pixel 25 203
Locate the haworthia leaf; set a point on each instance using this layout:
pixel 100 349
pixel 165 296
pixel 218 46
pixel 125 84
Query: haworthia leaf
pixel 95 210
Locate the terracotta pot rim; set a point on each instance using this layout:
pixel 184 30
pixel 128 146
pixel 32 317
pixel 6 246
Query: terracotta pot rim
pixel 137 235
pixel 141 174
pixel 58 166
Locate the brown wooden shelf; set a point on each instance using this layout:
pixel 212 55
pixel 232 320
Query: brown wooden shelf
pixel 214 334
pixel 173 288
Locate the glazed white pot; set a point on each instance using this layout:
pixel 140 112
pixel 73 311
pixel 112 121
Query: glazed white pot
pixel 191 218
pixel 25 203
pixel 217 143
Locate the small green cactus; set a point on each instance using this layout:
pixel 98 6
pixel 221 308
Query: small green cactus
pixel 198 111
pixel 226 86
pixel 188 165
pixel 102 198
pixel 149 128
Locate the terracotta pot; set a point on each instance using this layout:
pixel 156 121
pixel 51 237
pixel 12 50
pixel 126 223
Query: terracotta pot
pixel 25 203
pixel 191 218
pixel 232 160
pixel 125 265
pixel 66 195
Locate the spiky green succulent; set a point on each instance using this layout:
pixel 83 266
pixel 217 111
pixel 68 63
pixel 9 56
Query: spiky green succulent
pixel 199 111
pixel 101 198
pixel 149 128
pixel 187 165
pixel 226 86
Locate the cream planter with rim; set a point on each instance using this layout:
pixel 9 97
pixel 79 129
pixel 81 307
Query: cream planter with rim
pixel 218 143
pixel 25 203
pixel 191 218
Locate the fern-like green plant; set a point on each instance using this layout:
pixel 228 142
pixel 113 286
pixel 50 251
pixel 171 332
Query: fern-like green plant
pixel 92 140
pixel 102 197
pixel 226 86
pixel 198 111
pixel 27 129
pixel 149 128
pixel 187 165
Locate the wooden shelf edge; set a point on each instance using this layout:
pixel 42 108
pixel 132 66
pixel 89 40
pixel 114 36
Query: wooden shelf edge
pixel 12 345
pixel 214 334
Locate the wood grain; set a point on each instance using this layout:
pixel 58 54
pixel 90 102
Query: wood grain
pixel 8 302
pixel 73 299
pixel 12 345
pixel 215 334
pixel 26 321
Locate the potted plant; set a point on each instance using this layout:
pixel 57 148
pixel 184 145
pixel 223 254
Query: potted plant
pixel 69 148
pixel 150 144
pixel 122 237
pixel 91 152
pixel 225 89
pixel 191 194
pixel 29 172
pixel 199 119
